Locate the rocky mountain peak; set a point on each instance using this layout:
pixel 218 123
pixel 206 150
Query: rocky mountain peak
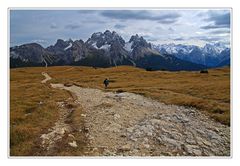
pixel 139 41
pixel 134 38
pixel 215 48
pixel 100 39
pixel 70 40
pixel 107 32
pixel 28 53
pixel 60 43
pixel 31 45
pixel 78 41
pixel 96 35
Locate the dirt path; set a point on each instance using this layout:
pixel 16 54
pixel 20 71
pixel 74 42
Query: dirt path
pixel 62 130
pixel 47 78
pixel 130 124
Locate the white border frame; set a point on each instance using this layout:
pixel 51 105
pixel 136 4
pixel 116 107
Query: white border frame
pixel 122 8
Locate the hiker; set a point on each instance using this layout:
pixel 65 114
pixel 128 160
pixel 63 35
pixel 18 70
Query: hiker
pixel 106 82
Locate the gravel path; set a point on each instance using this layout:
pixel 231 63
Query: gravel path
pixel 132 125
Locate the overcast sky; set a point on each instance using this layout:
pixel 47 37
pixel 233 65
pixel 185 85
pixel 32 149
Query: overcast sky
pixel 193 27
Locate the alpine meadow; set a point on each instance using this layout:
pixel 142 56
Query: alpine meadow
pixel 120 82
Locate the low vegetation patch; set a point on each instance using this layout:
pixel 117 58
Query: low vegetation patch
pixel 204 71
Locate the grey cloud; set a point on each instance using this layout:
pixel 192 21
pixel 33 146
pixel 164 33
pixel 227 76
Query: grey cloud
pixel 82 23
pixel 53 26
pixel 39 41
pixel 220 19
pixel 201 14
pixel 146 36
pixel 93 21
pixel 171 29
pixel 214 26
pixel 220 32
pixel 141 15
pixel 217 20
pixel 72 26
pixel 119 26
pixel 179 39
pixel 168 21
pixel 87 11
pixel 169 18
pixel 208 38
pixel 152 40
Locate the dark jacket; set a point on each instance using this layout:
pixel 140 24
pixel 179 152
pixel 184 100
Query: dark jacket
pixel 106 81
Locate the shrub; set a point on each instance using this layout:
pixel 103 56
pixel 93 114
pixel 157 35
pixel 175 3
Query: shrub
pixel 120 91
pixel 204 71
pixel 149 69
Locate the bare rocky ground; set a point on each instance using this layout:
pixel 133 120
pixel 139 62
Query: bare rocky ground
pixel 127 124
pixel 60 130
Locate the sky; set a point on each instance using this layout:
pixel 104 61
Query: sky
pixel 191 27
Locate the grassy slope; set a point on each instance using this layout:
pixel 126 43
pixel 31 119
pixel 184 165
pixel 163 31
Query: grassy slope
pixel 208 92
pixel 33 108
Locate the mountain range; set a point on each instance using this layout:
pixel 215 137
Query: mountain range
pixel 110 49
pixel 211 55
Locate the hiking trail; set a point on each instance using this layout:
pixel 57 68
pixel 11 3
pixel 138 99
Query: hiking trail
pixel 128 124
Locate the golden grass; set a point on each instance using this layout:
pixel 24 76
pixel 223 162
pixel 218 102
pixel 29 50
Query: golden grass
pixel 33 106
pixel 207 92
pixel 33 109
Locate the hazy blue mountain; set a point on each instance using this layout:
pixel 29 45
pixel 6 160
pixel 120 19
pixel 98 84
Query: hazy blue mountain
pixel 210 55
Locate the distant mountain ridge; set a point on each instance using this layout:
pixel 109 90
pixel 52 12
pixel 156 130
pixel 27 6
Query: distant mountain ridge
pixel 100 50
pixel 211 55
